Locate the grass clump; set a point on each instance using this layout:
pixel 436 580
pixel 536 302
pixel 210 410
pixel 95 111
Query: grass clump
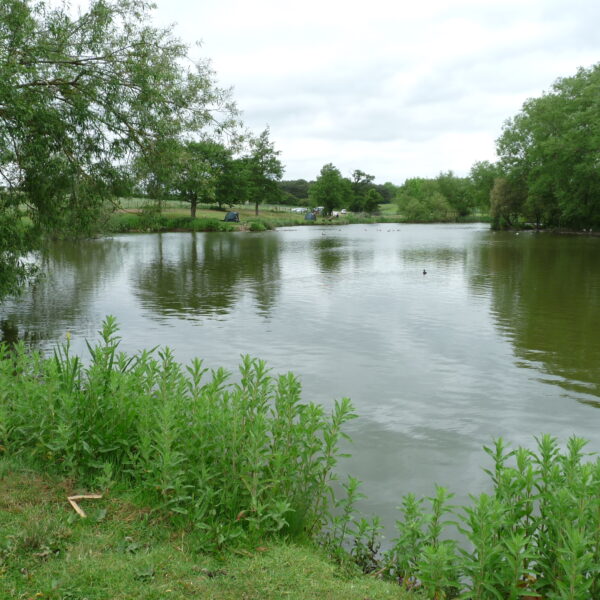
pixel 237 462
pixel 259 225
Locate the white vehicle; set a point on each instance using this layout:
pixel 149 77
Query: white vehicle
pixel 299 209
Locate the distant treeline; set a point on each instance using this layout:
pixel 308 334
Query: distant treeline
pixel 547 175
pixel 443 198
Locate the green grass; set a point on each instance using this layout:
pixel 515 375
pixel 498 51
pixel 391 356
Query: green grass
pixel 123 551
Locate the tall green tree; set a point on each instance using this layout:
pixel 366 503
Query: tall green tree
pixel 372 201
pixel 361 184
pixel 263 170
pixel 232 184
pixel 201 167
pixel 553 146
pixel 330 189
pixel 482 176
pixel 80 97
pixel 506 202
pixel 456 192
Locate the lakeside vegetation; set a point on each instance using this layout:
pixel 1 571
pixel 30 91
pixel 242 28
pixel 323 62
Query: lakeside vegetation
pixel 232 466
pixel 211 219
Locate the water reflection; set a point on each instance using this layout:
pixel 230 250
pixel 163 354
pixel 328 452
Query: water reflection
pixel 9 332
pixel 546 300
pixel 440 257
pixel 329 253
pixel 71 277
pixel 201 275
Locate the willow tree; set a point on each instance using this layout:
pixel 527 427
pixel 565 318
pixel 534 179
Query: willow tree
pixel 80 97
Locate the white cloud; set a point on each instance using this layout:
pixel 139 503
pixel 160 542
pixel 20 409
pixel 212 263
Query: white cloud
pixel 395 89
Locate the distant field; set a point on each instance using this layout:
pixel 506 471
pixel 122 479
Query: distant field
pixel 179 206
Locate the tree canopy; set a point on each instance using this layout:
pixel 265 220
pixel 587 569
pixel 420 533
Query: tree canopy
pixel 330 189
pixel 80 97
pixel 552 149
pixel 263 170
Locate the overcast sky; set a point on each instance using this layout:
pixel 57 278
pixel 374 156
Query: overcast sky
pixel 396 89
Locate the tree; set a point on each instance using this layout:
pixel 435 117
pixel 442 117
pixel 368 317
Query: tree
pixel 263 170
pixel 553 146
pixel 330 189
pixel 372 201
pixel 295 190
pixel 201 167
pixel 456 192
pixel 387 190
pixel 507 198
pixel 361 184
pixel 482 176
pixel 80 97
pixel 232 184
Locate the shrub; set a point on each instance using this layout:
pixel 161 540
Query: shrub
pixel 258 225
pixel 237 460
pixel 536 535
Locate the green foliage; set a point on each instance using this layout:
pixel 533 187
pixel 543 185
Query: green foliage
pixel 263 171
pixel 372 201
pixel 258 225
pixel 16 239
pixel 536 535
pixel 194 172
pixel 481 177
pixel 445 198
pixel 552 147
pixel 420 200
pixel 457 193
pixel 80 97
pixel 330 189
pixel 237 461
pixel 361 184
pixel 506 202
pixel 294 191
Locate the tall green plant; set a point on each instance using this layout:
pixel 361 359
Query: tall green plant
pixel 238 460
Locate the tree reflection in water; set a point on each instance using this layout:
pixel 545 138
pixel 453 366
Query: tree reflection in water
pixel 204 274
pixel 546 300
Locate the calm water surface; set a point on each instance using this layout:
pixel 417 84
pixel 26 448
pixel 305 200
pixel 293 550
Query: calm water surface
pixel 500 338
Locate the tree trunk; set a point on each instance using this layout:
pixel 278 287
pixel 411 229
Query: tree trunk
pixel 193 204
pixel 256 209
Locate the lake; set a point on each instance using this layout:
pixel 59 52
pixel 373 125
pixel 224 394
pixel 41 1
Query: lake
pixel 500 337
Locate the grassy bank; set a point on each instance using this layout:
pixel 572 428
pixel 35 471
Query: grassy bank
pixel 123 551
pixel 177 218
